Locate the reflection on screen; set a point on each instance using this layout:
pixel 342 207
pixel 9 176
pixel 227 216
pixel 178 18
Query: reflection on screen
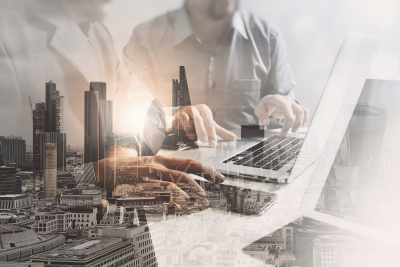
pixel 362 180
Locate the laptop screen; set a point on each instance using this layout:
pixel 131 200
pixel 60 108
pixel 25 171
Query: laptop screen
pixel 362 183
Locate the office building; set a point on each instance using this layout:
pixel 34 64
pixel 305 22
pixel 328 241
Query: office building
pixel 60 139
pixel 337 250
pixel 180 98
pixel 93 252
pixel 119 170
pixel 8 180
pixel 13 150
pixel 50 171
pixel 85 174
pixel 54 109
pixel 49 127
pixel 98 122
pixel 39 116
pixel 68 217
pixel 15 201
pixel 146 238
pixel 86 197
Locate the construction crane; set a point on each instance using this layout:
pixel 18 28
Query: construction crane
pixel 36 156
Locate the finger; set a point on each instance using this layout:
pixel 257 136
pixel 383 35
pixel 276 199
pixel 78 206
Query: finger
pixel 298 110
pixel 287 123
pixel 180 192
pixel 192 166
pixel 199 125
pixel 208 122
pixel 187 124
pixel 169 123
pixel 224 133
pixel 306 116
pixel 261 112
pixel 181 177
pixel 284 104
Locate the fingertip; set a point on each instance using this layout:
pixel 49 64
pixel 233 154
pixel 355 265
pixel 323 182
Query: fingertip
pixel 203 138
pixel 213 143
pixel 265 122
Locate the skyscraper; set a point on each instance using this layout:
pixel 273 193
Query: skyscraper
pixel 180 98
pixel 98 122
pixel 39 116
pixel 54 109
pixel 49 127
pixel 13 150
pixel 119 170
pixel 50 171
pixel 56 138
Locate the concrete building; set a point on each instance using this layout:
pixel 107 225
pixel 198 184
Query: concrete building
pixel 337 250
pixel 50 171
pixel 69 217
pixel 93 252
pixel 60 139
pixel 18 244
pixel 65 178
pixel 10 202
pixel 86 198
pixel 45 226
pixel 146 238
pixel 21 264
pixel 12 150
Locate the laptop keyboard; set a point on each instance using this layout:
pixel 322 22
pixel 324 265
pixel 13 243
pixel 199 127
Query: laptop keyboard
pixel 270 154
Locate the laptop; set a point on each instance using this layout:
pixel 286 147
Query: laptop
pixel 349 214
pixel 280 160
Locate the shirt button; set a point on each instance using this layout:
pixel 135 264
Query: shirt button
pixel 213 85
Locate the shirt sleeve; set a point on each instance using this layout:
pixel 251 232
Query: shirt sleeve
pixel 280 80
pixel 137 59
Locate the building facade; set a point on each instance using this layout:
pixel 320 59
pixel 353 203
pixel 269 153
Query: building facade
pixel 8 180
pixel 50 171
pixel 12 150
pixel 98 121
pixel 10 202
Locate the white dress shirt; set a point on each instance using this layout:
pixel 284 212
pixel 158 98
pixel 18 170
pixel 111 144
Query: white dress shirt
pixel 248 64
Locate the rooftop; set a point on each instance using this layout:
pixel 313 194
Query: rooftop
pixel 83 248
pixel 13 196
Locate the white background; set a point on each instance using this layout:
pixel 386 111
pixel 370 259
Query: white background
pixel 313 30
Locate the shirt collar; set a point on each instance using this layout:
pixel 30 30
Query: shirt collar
pixel 238 23
pixel 183 30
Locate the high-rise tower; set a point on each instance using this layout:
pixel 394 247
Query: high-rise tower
pixel 49 127
pixel 180 98
pixel 98 122
pixel 50 171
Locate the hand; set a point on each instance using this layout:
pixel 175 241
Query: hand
pixel 168 171
pixel 279 106
pixel 204 125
